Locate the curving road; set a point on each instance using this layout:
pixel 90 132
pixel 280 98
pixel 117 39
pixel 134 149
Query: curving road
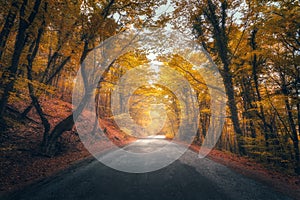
pixel 187 178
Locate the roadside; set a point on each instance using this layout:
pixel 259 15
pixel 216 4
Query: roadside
pixel 286 184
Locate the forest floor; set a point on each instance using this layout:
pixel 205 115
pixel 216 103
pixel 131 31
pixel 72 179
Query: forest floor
pixel 22 164
pixel 280 181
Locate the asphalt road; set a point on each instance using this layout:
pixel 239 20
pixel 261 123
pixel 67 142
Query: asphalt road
pixel 187 178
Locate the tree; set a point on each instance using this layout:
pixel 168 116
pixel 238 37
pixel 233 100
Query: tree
pixel 215 16
pixel 92 32
pixel 9 76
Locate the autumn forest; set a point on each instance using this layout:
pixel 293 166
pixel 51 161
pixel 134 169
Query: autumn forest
pixel 254 45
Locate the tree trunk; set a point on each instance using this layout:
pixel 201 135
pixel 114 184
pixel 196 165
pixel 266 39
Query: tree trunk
pixel 291 122
pixel 267 128
pixel 9 22
pixel 233 109
pixel 49 80
pixel 218 24
pixel 9 75
pixel 34 47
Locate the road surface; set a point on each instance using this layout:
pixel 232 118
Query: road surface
pixel 187 178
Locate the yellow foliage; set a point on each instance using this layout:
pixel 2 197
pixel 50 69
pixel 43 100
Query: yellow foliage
pixel 169 136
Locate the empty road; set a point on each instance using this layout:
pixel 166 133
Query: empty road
pixel 187 178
